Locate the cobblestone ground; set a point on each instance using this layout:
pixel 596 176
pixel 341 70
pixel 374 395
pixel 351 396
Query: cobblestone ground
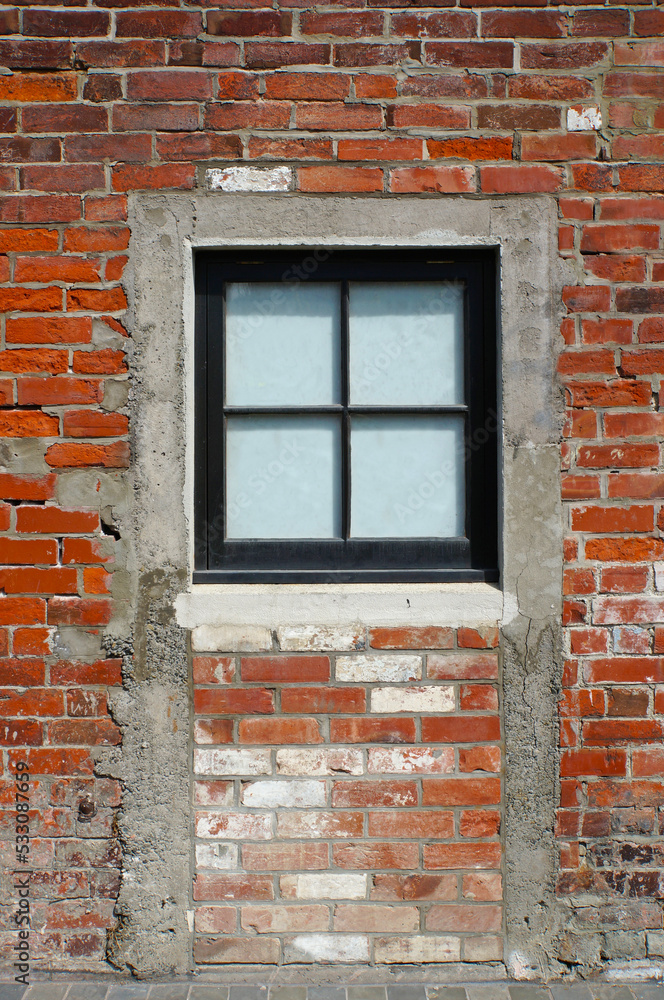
pixel 97 990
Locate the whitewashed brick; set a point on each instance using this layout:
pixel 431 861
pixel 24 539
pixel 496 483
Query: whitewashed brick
pixel 324 885
pixel 584 119
pixel 232 762
pixel 411 760
pixel 231 638
pixel 221 857
pixel 234 826
pixel 411 950
pixel 433 698
pixel 369 668
pixel 249 178
pixel 659 575
pixel 318 762
pixel 293 794
pixel 327 948
pixel 319 638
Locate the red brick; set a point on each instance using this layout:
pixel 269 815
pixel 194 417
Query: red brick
pixel 324 700
pixel 563 55
pixel 272 731
pixel 493 55
pixel 162 117
pixel 38 581
pixel 433 180
pixel 633 424
pixel 438 856
pixel 204 53
pixel 600 22
pixel 284 857
pixel 28 423
pixel 478 638
pixel 424 886
pixel 464 918
pixel 64 118
pixel 36 701
pixel 338 116
pixel 385 730
pixel 248 114
pixel 176 85
pixel 90 423
pixel 210 669
pixel 16 487
pixel 624 549
pixel 274 55
pixel 22 611
pixel 618 456
pixel 373 85
pixel 233 85
pixel 636 485
pixel 67 23
pixel 167 175
pixel 104 362
pixel 478 698
pixel 111 208
pixel 63 177
pixel 648 762
pixel 468 85
pixel 617 268
pixel 524 24
pixel 164 24
pixel 107 54
pixel 247 701
pixel 213 731
pixel 335 178
pixel 349 24
pixel 472 148
pixel 549 88
pixel 23 550
pixel 587 298
pixel 593 762
pixel 579 581
pixel 612 732
pixel 443 24
pixel 462 666
pixel 45 391
pixel 22 672
pixel 558 146
pixel 367 794
pixel 412 824
pixel 617 392
pixel 104 672
pixel 380 149
pixel 610 519
pixel 651 330
pixel 78 611
pixel 284 669
pixel 412 638
pixel 26 733
pixel 428 116
pixel 641 177
pixel 588 641
pixel 290 149
pixel 517 116
pixel 519 179
pixel 375 855
pixel 233 887
pixel 36 54
pixel 248 23
pixel 357 54
pixel 463 729
pixel 79 455
pixel 460 791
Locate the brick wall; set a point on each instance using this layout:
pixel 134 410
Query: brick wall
pixel 383 767
pixel 387 99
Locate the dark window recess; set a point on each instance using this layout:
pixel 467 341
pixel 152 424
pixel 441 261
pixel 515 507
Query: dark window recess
pixel 346 416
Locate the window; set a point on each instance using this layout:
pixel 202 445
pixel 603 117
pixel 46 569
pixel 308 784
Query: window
pixel 345 419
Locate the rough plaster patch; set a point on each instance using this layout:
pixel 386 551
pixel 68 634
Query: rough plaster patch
pixel 584 119
pixel 249 179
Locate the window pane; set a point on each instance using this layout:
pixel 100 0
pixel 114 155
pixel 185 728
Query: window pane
pixel 407 477
pixel 406 343
pixel 282 344
pixel 283 477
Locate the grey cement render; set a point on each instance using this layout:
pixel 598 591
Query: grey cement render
pixel 149 508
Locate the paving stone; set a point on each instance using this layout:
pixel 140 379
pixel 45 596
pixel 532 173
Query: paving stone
pixel 87 991
pixel 405 992
pixel 488 991
pixel 128 993
pixel 528 991
pixel 366 993
pixel 604 992
pixel 12 991
pixel 326 993
pixel 248 993
pixel 173 991
pixel 446 993
pixel 208 993
pixel 648 991
pixel 573 991
pixel 288 993
pixel 46 991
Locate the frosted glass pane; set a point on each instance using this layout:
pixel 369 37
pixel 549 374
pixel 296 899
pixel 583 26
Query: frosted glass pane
pixel 282 344
pixel 283 477
pixel 407 477
pixel 406 343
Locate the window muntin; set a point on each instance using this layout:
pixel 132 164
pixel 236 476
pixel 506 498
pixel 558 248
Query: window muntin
pixel 356 436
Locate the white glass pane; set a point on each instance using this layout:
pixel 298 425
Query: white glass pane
pixel 282 344
pixel 406 343
pixel 283 477
pixel 407 477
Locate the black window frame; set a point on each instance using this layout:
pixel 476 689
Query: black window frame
pixel 473 557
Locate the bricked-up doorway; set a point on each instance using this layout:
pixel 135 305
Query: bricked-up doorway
pixel 347 796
